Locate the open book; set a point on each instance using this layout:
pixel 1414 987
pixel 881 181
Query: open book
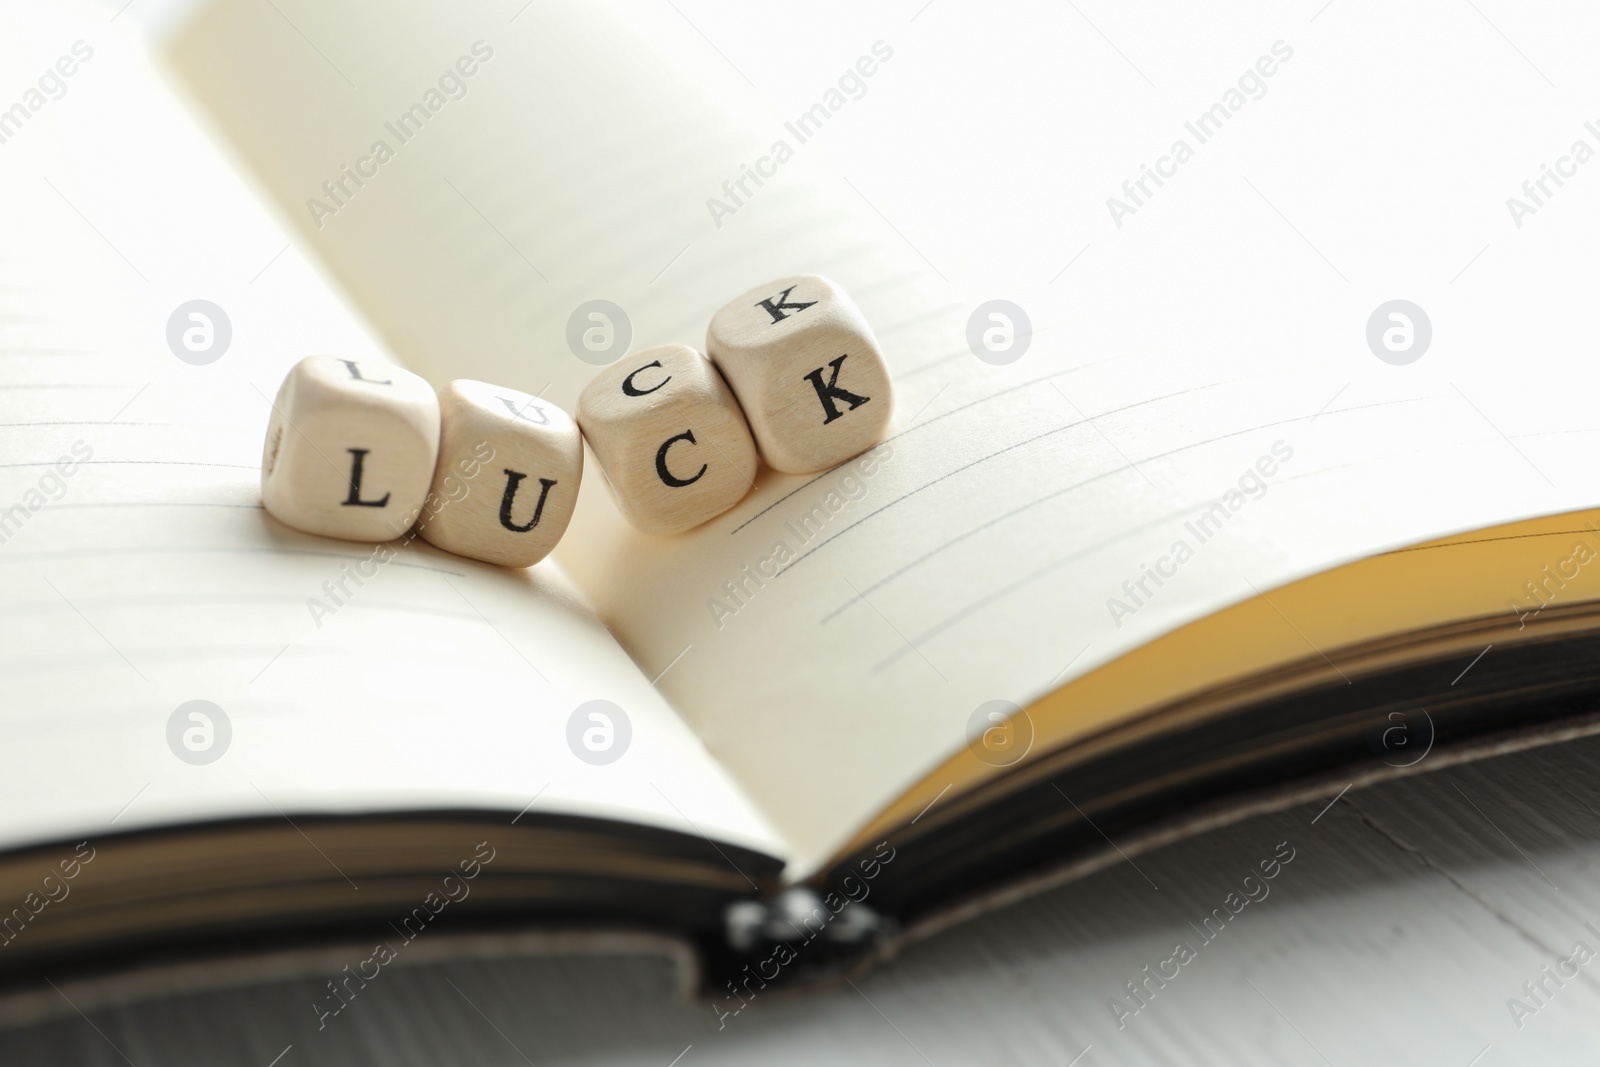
pixel 1197 550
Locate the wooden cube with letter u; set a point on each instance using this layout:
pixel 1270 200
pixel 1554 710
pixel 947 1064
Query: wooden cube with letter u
pixel 669 437
pixel 507 477
pixel 807 370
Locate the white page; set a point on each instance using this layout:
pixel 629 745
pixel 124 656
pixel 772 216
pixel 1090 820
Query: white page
pixel 149 576
pixel 1224 317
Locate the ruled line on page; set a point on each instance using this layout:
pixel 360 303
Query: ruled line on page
pixel 912 429
pixel 159 550
pixel 1121 469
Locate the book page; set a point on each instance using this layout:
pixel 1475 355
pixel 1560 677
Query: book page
pixel 1257 364
pixel 171 653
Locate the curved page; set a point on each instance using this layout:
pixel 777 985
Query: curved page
pixel 140 573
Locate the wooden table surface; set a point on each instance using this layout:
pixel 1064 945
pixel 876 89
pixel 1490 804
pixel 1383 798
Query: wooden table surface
pixel 1410 916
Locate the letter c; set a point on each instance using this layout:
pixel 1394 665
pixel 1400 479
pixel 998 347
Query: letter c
pixel 363 171
pixel 630 389
pixel 762 170
pixel 1165 173
pixel 667 477
pixel 1166 574
pixel 1564 172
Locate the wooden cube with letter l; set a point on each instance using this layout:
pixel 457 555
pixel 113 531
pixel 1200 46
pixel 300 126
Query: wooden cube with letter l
pixel 350 448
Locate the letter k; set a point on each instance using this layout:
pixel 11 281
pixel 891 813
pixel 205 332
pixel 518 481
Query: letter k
pixel 777 310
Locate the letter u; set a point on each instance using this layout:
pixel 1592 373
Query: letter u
pixel 513 480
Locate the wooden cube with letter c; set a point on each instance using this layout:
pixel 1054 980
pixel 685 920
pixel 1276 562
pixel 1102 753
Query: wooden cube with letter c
pixel 669 437
pixel 808 372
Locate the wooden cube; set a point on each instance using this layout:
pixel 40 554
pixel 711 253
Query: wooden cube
pixel 350 449
pixel 507 477
pixel 670 438
pixel 802 360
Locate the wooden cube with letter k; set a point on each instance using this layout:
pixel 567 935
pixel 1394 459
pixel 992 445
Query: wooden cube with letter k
pixel 804 364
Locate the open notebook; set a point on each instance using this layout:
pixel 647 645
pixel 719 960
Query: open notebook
pixel 980 650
